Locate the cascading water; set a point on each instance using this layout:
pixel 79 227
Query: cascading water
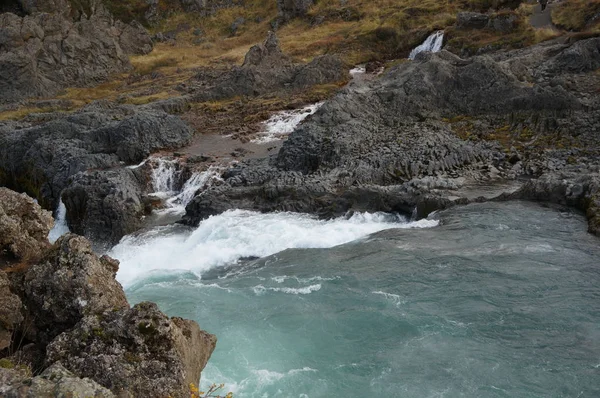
pixel 164 177
pixel 196 182
pixel 432 44
pixel 166 174
pixel 60 223
pixel 283 123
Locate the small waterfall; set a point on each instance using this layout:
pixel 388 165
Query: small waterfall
pixel 60 223
pixel 196 182
pixel 164 177
pixel 432 44
pixel 283 123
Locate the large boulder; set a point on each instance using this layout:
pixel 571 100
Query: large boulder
pixel 69 283
pixel 105 205
pixel 139 351
pixel 10 312
pixel 53 382
pixel 24 226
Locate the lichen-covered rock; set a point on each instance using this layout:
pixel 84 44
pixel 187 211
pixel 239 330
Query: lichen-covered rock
pixel 10 312
pixel 68 284
pixel 24 226
pixel 139 351
pixel 54 382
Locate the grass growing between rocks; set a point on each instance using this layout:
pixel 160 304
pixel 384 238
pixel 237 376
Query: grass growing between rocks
pixel 577 15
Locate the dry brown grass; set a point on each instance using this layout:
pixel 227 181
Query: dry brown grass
pixel 577 15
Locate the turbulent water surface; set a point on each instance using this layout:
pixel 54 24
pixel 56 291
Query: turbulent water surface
pixel 500 300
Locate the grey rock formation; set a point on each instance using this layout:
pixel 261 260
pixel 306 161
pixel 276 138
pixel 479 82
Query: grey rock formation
pixel 289 9
pixel 46 50
pixel 69 283
pixel 42 159
pixel 105 205
pixel 138 351
pixel 10 312
pixel 53 382
pixel 267 69
pixel 471 20
pixel 24 226
pixel 365 148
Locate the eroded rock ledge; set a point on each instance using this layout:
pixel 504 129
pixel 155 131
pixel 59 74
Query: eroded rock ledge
pixel 64 316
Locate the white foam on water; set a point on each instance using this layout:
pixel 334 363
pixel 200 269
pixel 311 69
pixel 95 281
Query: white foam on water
pixel 394 298
pixel 432 44
pixel 60 223
pixel 283 123
pixel 358 70
pixel 226 238
pixel 261 290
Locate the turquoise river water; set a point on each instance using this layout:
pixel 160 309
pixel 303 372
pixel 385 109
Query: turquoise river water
pixel 487 300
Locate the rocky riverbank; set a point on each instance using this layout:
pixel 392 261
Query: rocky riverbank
pixel 66 328
pixel 428 129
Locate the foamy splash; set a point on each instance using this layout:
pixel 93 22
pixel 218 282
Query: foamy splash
pixel 60 223
pixel 226 238
pixel 283 123
pixel 432 44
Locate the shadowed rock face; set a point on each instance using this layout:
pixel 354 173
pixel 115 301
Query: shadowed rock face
pixel 47 49
pixel 373 145
pixel 45 160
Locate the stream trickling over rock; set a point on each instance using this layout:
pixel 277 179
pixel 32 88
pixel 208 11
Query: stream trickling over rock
pixel 432 44
pixel 498 300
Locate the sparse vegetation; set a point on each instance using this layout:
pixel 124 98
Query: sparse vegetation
pixel 577 15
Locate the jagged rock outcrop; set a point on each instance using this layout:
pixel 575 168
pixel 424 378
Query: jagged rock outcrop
pixel 70 282
pixel 53 382
pixel 378 137
pixel 75 327
pixel 24 226
pixel 44 160
pixel 579 189
pixel 267 69
pixel 10 312
pixel 138 351
pixel 48 49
